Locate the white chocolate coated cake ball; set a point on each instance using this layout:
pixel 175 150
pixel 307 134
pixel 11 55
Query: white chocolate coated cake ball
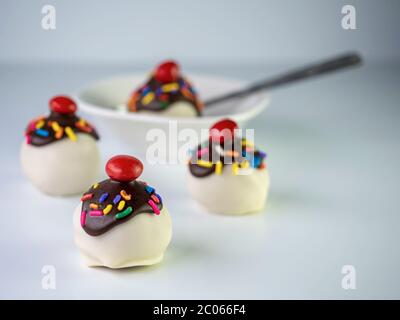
pixel 227 174
pixel 231 194
pixel 141 241
pixel 60 155
pixel 122 222
pixel 62 168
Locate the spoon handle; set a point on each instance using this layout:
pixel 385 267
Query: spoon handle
pixel 343 61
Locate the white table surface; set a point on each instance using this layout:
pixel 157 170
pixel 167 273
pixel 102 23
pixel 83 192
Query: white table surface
pixel 333 147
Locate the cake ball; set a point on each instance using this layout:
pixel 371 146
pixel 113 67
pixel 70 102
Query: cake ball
pixel 122 222
pixel 167 92
pixel 60 154
pixel 227 174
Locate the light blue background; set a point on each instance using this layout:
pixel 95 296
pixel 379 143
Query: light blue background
pixel 252 32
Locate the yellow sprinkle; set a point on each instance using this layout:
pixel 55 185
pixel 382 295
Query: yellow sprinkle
pixel 170 87
pixel 70 133
pixel 82 122
pixel 203 163
pixel 107 209
pixel 218 167
pixel 40 124
pixel 121 205
pixel 95 185
pixel 245 164
pixel 55 126
pixel 247 143
pixel 235 168
pixel 148 98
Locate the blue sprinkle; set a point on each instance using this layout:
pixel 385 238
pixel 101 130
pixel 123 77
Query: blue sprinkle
pixel 159 91
pixel 103 197
pixel 149 189
pixel 257 161
pixel 42 132
pixel 146 90
pixel 116 199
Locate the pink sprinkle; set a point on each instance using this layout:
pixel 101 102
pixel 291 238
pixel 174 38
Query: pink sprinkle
pixel 153 205
pixel 83 218
pixel 32 125
pixel 96 213
pixel 202 151
pixel 28 139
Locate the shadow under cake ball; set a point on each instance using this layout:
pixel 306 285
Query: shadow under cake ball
pixel 227 174
pixel 167 93
pixel 60 154
pixel 122 222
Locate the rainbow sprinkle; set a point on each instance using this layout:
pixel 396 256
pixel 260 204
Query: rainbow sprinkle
pixel 103 197
pixel 148 98
pixel 116 199
pixel 42 132
pixel 59 133
pixel 87 196
pixel 94 206
pixel 70 133
pixel 121 205
pixel 40 124
pixel 155 198
pixel 96 213
pixel 149 189
pixel 124 213
pixel 55 126
pixel 83 218
pixel 170 87
pixel 125 195
pixel 218 168
pixel 159 197
pixel 206 164
pixel 154 207
pixel 107 209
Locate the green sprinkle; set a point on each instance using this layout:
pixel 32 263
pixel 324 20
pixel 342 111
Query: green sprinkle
pixel 164 104
pixel 124 213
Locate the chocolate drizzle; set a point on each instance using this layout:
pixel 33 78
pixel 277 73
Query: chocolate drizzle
pixel 211 157
pixel 157 96
pixel 57 126
pixel 100 204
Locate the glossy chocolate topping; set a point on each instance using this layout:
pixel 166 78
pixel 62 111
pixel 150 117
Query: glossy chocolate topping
pixel 155 96
pixel 60 124
pixel 213 156
pixel 165 87
pixel 110 203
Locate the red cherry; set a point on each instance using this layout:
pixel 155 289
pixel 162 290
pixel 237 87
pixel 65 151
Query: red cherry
pixel 124 168
pixel 62 104
pixel 223 130
pixel 166 72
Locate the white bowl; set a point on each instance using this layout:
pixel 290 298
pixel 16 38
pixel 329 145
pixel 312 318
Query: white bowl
pixel 102 99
